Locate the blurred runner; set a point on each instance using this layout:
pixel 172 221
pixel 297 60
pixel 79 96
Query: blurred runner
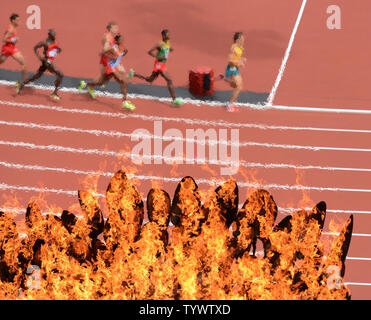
pixel 51 49
pixel 163 49
pixel 112 52
pixel 232 74
pixel 9 49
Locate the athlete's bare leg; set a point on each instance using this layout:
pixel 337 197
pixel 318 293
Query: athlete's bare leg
pixel 19 58
pixel 120 79
pixel 97 82
pixel 149 79
pixel 237 89
pixel 231 82
pixel 100 80
pixel 36 76
pixel 2 59
pixel 170 86
pixel 54 69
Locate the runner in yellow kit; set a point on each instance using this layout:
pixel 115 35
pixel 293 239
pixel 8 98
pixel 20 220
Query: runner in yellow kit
pixel 232 74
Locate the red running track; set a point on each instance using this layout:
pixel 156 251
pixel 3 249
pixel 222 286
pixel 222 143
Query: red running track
pixel 54 149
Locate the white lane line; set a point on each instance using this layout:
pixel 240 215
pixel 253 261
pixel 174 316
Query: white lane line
pixel 219 123
pixel 4 186
pixel 357 284
pixel 359 258
pixel 241 184
pixel 18 166
pixel 245 164
pixel 22 211
pixel 354 234
pixel 258 144
pixel 118 134
pixel 293 210
pixel 164 179
pixel 287 55
pixel 322 110
pixel 192 121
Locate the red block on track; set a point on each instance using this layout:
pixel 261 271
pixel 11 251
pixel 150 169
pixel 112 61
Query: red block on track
pixel 201 81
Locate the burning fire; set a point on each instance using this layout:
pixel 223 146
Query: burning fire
pixel 208 251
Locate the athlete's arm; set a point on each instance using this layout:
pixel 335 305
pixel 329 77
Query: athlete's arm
pixel 7 35
pixel 107 47
pixel 125 52
pixel 36 48
pixel 151 52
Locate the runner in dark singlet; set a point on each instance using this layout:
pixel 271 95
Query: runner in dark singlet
pixel 51 49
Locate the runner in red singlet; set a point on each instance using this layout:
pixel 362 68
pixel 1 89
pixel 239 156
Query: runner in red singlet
pixel 109 53
pixel 51 49
pixel 9 48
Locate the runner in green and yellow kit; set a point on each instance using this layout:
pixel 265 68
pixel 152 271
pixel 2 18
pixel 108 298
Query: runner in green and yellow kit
pixel 163 49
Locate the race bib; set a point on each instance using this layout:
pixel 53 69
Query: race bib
pixel 14 39
pixel 53 53
pixel 167 53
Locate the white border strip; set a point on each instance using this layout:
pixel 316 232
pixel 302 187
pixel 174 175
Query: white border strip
pixel 287 55
pixel 135 96
pixel 196 102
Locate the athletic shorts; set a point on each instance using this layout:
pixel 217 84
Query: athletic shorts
pixel 104 60
pixel 231 71
pixel 8 50
pixel 159 66
pixel 113 65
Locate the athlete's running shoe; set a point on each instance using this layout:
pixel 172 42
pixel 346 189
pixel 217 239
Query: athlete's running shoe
pixel 82 85
pixel 177 102
pixel 18 87
pixel 231 108
pixel 130 74
pixel 128 105
pixel 55 96
pixel 91 92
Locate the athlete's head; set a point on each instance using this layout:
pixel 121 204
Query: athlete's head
pixel 14 19
pixel 113 28
pixel 238 38
pixel 51 34
pixel 165 35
